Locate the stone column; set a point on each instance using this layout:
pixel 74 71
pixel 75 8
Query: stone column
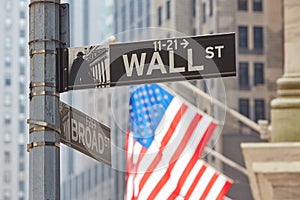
pixel 285 113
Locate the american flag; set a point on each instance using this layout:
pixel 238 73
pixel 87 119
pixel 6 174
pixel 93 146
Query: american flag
pixel 165 140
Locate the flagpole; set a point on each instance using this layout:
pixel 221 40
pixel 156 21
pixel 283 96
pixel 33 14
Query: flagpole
pixel 226 160
pixel 261 128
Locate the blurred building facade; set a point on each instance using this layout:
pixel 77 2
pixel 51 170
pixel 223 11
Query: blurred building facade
pixel 13 101
pixel 259 39
pixel 259 47
pixel 81 176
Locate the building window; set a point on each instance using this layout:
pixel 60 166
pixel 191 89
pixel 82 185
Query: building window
pixel 131 11
pixel 258 5
pixel 116 20
pixel 204 12
pixel 22 3
pixel 22 68
pixel 21 126
pixel 259 105
pixel 8 5
pixel 22 33
pixel 211 8
pixel 244 76
pixel 21 150
pixel 243 5
pixel 194 32
pixel 243 37
pixel 8 22
pixel 21 186
pixel 7 118
pixel 22 14
pixel 7 99
pixel 140 8
pixel 159 16
pixel 7 81
pixel 244 107
pixel 7 157
pixel 21 88
pixel 258 73
pixel 21 108
pixel 7 61
pixel 148 13
pixel 148 21
pixel 168 7
pixel 258 38
pixel 123 18
pixel 8 42
pixel 140 24
pixel 194 8
pixel 22 51
pixel 6 195
pixel 7 177
pixel 21 166
pixel 7 137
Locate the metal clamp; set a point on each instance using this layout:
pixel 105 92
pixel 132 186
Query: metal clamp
pixel 41 144
pixel 46 40
pixel 42 126
pixel 42 51
pixel 41 84
pixel 43 93
pixel 43 2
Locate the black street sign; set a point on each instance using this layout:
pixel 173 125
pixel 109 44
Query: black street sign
pixel 85 134
pixel 174 59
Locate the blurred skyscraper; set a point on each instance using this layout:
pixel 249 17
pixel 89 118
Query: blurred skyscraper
pixel 14 98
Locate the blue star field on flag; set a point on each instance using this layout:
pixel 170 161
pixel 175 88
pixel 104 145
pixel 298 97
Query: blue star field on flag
pixel 147 107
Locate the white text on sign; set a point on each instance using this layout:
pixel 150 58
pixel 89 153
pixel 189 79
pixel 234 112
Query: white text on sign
pixel 156 62
pixel 88 137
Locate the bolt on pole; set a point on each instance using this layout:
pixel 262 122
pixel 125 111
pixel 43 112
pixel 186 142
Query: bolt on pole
pixel 44 138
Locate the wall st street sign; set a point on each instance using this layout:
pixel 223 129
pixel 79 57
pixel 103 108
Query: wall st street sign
pixel 175 59
pixel 85 134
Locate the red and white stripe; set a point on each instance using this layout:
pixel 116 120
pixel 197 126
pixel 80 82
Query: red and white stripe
pixel 170 168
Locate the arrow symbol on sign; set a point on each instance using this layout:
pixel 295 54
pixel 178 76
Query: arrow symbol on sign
pixel 185 43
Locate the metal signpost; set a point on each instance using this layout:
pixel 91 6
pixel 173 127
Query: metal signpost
pixel 85 134
pixel 152 61
pixel 44 138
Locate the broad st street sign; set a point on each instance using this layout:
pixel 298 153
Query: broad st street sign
pixel 175 59
pixel 85 134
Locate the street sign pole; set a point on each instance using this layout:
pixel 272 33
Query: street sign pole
pixel 43 147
